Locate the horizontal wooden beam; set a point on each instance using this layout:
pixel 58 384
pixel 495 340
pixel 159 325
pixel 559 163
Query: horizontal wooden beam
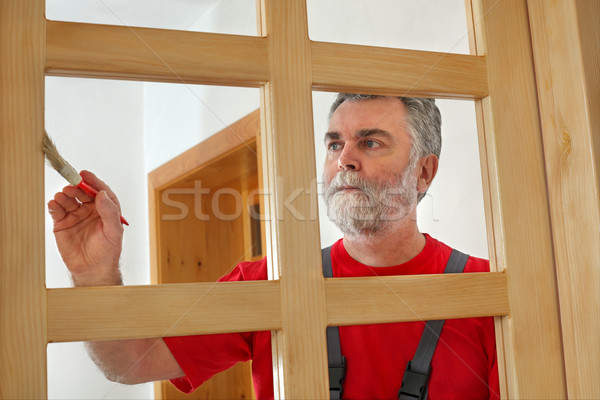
pixel 385 71
pixel 118 52
pixel 353 301
pixel 159 55
pixel 98 313
pixel 120 312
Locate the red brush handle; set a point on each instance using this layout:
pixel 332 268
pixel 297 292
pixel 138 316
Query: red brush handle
pixel 90 191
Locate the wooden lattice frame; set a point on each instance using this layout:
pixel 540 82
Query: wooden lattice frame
pixel 523 190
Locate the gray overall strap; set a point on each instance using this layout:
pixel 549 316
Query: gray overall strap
pixel 416 376
pixel 337 363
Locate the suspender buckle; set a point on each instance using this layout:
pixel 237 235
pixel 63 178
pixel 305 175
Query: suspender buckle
pixel 336 378
pixel 414 384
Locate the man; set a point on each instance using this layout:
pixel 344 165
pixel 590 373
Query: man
pixel 382 155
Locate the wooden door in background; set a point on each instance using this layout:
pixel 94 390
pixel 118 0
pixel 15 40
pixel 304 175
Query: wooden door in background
pixel 204 207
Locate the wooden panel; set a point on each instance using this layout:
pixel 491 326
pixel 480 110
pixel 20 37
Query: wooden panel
pixel 384 71
pixel 198 250
pixel 215 151
pixel 104 51
pixel 518 195
pixel 184 255
pixel 219 145
pixel 300 351
pixel 22 268
pixel 208 242
pixel 566 39
pixel 352 301
pixel 161 310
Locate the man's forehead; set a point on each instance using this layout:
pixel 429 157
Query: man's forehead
pixel 368 132
pixel 379 116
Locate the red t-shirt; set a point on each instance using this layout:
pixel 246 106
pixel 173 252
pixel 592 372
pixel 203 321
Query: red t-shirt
pixel 463 366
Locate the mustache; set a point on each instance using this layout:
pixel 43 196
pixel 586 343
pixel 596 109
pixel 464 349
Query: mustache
pixel 350 179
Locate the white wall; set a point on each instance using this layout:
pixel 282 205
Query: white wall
pixel 122 130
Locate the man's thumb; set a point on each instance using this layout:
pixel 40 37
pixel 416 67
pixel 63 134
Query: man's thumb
pixel 109 213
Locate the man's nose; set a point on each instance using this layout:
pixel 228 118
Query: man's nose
pixel 348 160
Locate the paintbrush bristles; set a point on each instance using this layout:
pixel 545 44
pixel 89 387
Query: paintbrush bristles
pixel 58 162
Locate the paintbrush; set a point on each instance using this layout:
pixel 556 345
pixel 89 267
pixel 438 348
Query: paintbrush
pixel 66 170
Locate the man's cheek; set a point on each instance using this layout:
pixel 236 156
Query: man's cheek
pixel 327 177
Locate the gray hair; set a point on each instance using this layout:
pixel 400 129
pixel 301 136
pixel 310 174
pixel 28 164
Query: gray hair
pixel 424 123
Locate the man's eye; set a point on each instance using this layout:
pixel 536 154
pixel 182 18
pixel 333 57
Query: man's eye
pixel 333 146
pixel 371 144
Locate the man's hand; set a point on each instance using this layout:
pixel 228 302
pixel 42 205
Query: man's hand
pixel 89 236
pixel 88 233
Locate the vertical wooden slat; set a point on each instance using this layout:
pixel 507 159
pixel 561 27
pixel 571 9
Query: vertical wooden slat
pixel 299 350
pixel 490 188
pixel 154 230
pixel 521 239
pixel 22 279
pixel 566 40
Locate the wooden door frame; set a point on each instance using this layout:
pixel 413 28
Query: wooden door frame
pixel 524 190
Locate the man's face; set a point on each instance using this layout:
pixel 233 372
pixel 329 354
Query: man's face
pixel 367 182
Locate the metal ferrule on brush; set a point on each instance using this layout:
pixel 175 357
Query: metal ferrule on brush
pixel 70 174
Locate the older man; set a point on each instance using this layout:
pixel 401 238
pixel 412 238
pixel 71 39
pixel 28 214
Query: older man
pixel 382 155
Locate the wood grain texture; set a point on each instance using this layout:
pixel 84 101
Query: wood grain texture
pixel 200 308
pixel 566 42
pixel 120 312
pixel 489 185
pixel 384 71
pixel 105 51
pixel 22 268
pixel 353 301
pixel 159 55
pixel 518 198
pixel 299 350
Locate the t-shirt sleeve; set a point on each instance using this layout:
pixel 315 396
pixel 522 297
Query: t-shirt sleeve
pixel 202 356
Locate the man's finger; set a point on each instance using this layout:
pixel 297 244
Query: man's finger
pixel 99 185
pixel 75 192
pixel 69 204
pixel 56 211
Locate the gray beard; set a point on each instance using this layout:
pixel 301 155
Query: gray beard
pixel 373 208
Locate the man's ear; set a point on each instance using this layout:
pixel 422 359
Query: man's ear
pixel 428 167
